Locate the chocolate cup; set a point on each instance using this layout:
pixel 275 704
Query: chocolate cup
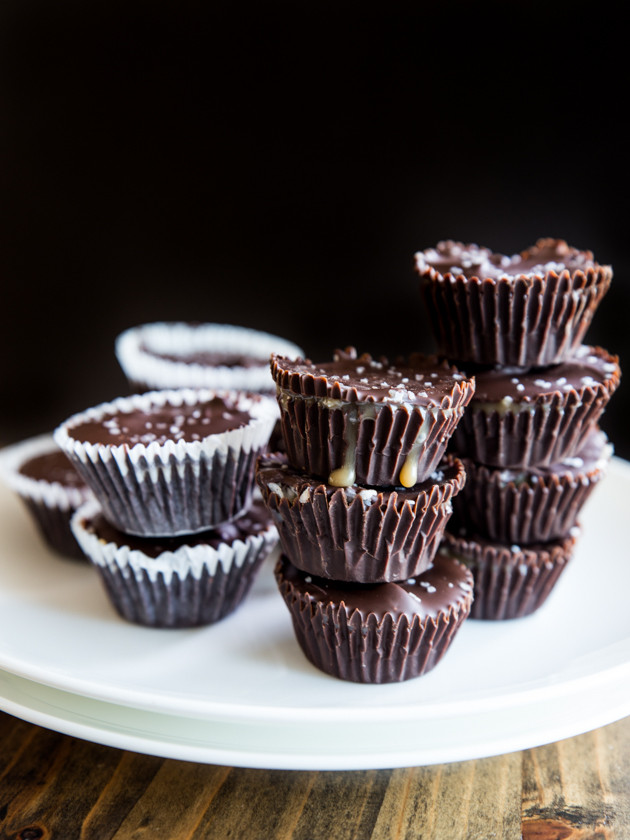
pixel 356 420
pixel 53 525
pixel 50 503
pixel 527 320
pixel 163 355
pixel 357 534
pixel 532 506
pixel 373 645
pixel 317 440
pixel 540 431
pixel 509 581
pixel 191 585
pixel 176 487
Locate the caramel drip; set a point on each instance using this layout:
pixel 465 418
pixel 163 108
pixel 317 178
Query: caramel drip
pixel 409 472
pixel 345 475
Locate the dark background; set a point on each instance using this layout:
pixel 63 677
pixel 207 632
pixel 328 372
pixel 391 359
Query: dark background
pixel 278 165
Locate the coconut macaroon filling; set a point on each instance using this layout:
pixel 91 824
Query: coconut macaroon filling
pixel 182 355
pixel 364 420
pixel 518 419
pixel 529 309
pixel 170 462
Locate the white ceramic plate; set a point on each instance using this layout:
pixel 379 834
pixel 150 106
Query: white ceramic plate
pixel 242 693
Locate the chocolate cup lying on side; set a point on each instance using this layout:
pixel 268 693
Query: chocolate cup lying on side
pixel 170 462
pixel 362 420
pixel 177 354
pixel 535 505
pixel 385 633
pixel 355 533
pixel 186 581
pixel 528 310
pixel 509 581
pixel 536 418
pixel 50 487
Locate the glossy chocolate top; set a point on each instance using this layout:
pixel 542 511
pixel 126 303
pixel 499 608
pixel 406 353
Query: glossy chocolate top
pixel 208 358
pixel 446 585
pixel 52 466
pixel 588 367
pixel 161 423
pixel 254 521
pixel 418 381
pixel 470 260
pixel 274 473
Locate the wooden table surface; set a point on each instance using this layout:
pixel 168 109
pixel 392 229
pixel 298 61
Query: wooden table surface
pixel 56 787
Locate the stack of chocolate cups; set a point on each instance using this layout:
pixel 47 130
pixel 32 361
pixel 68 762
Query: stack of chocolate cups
pixel 529 439
pixel 361 496
pixel 172 529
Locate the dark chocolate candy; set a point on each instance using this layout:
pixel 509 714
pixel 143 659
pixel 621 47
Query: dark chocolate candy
pixel 535 505
pixel 52 466
pixel 186 478
pixel 532 309
pixel 548 255
pixel 206 358
pixel 377 634
pixel 161 423
pixel 423 381
pixel 181 582
pixel 525 419
pixel 357 533
pixel 254 521
pixel 357 419
pixel 442 587
pixel 510 581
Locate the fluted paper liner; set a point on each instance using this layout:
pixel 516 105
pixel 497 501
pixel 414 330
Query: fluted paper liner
pixel 50 503
pixel 172 488
pixel 191 586
pixel 370 441
pixel 537 434
pixel 525 511
pixel 147 371
pixel 526 321
pixel 353 646
pixel 354 534
pixel 510 581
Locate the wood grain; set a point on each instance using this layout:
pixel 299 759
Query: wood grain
pixel 54 787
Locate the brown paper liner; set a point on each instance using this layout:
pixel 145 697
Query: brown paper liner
pixel 520 321
pixel 538 436
pixel 361 648
pixel 349 534
pixel 525 511
pixel 320 440
pixel 509 581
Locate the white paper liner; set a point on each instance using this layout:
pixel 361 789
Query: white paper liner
pixel 168 489
pixel 52 494
pixel 182 338
pixel 184 561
